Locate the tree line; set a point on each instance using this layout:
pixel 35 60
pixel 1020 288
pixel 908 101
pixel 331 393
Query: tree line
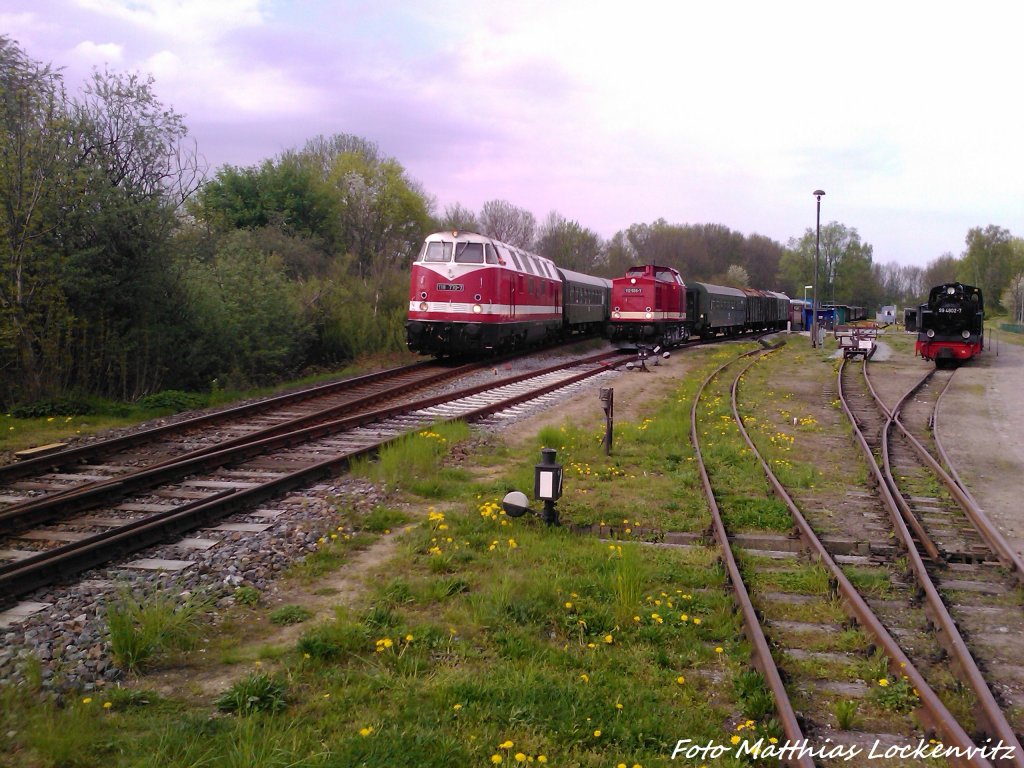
pixel 126 267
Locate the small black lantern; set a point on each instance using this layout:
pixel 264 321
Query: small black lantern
pixel 547 484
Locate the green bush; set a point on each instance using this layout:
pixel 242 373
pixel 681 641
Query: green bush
pixel 173 400
pixel 256 693
pixel 47 408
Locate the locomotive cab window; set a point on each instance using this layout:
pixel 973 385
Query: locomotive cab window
pixel 437 252
pixel 490 256
pixel 469 253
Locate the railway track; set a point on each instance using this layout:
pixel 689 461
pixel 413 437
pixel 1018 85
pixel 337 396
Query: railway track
pixel 62 534
pixel 965 583
pixel 804 662
pixel 105 461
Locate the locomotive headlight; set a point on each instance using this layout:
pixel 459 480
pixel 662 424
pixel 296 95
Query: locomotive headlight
pixel 616 315
pixel 966 334
pixel 930 334
pixel 424 306
pixel 477 309
pixel 648 315
pixel 632 281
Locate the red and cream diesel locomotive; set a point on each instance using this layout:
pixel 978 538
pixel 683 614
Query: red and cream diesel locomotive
pixel 472 294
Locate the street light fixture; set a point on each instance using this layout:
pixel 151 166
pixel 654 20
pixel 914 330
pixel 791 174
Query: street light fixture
pixel 818 193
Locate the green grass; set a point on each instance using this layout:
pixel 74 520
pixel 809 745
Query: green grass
pixel 143 629
pixel 484 637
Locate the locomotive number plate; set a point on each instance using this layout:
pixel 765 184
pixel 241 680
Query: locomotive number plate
pixel 949 310
pixel 450 287
pixel 632 290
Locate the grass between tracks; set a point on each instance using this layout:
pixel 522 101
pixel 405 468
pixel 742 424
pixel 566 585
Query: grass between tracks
pixel 486 641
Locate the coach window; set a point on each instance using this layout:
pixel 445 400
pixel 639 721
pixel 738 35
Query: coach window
pixel 515 260
pixel 437 252
pixel 469 253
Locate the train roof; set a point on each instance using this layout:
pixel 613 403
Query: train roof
pixel 578 277
pixel 720 290
pixel 509 256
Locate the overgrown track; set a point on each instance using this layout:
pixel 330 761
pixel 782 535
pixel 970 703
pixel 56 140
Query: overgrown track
pixel 763 659
pixel 175 498
pixel 795 644
pixel 962 585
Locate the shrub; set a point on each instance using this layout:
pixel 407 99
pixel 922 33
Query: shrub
pixel 47 408
pixel 173 400
pixel 256 693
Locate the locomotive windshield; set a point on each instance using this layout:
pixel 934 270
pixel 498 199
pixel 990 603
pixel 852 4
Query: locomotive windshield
pixel 437 252
pixel 469 253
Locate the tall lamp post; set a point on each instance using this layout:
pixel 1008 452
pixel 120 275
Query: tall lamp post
pixel 804 309
pixel 818 193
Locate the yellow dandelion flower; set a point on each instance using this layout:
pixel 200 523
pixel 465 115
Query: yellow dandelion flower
pixel 609 639
pixel 568 604
pixel 597 732
pixel 735 739
pixel 495 759
pixel 366 731
pixel 696 621
pixel 107 704
pixel 520 757
pixel 718 649
pixel 680 679
pixel 542 758
pixel 507 744
pixel 585 677
pixel 87 700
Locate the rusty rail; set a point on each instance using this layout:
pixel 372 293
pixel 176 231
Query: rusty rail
pixel 994 721
pixel 762 653
pixel 936 714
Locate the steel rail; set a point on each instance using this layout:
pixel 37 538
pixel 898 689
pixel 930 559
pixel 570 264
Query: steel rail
pixel 1000 547
pixel 937 715
pixel 22 576
pixel 13 511
pixel 991 716
pixel 930 547
pixel 755 634
pixel 75 455
pixel 51 507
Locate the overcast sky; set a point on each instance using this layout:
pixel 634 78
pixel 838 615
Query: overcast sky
pixel 908 114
